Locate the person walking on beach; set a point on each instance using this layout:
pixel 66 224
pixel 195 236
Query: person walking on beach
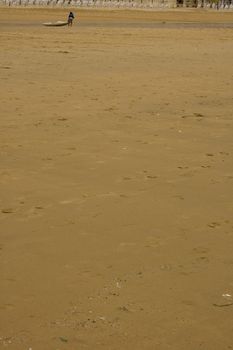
pixel 70 19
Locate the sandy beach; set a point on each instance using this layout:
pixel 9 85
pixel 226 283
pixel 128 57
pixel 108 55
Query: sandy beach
pixel 116 180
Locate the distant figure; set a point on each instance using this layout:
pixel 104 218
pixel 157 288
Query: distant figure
pixel 70 19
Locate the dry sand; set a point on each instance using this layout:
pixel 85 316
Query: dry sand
pixel 116 180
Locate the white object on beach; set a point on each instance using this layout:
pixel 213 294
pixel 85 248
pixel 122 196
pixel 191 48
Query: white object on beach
pixel 226 295
pixel 55 24
pixel 118 285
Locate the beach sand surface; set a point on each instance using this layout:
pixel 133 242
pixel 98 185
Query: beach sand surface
pixel 116 180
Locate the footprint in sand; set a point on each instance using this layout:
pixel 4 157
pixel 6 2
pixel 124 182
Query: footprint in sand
pixel 36 211
pixel 200 250
pixel 62 51
pixel 199 116
pixel 62 119
pixel 152 177
pixel 7 307
pixel 214 224
pixel 189 174
pixel 179 197
pixel 165 267
pixel 7 211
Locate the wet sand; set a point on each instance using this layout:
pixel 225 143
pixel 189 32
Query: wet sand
pixel 116 180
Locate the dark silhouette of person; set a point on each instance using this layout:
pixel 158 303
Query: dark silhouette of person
pixel 70 19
